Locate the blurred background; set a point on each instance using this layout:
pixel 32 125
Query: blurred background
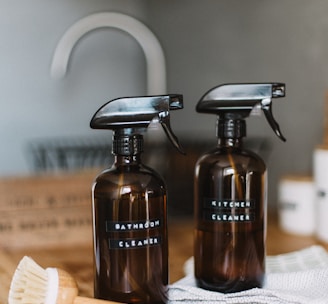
pixel 205 43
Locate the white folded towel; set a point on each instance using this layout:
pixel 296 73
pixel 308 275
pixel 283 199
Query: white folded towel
pixel 297 277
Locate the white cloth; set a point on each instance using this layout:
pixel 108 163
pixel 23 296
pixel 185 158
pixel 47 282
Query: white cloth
pixel 297 277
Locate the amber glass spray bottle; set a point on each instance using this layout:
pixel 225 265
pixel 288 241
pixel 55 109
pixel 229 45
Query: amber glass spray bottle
pixel 129 205
pixel 230 192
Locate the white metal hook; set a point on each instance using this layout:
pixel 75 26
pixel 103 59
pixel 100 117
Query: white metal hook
pixel 155 60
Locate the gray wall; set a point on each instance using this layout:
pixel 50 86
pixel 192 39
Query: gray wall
pixel 206 43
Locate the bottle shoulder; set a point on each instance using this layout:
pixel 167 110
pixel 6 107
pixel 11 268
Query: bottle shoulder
pixel 140 175
pixel 232 156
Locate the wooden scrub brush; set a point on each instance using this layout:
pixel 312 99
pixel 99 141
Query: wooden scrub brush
pixel 31 284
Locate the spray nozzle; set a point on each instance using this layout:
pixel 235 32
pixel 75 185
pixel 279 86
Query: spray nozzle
pixel 233 101
pixel 132 115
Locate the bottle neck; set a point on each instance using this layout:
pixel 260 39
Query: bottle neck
pixel 230 142
pixel 123 160
pixel 127 145
pixel 127 148
pixel 230 132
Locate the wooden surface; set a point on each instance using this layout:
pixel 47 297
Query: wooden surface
pixel 78 261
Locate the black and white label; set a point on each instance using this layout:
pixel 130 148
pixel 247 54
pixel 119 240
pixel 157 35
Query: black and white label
pixel 126 231
pixel 112 226
pixel 228 210
pixel 130 243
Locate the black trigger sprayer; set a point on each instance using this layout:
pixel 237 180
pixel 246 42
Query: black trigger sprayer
pixel 130 205
pixel 230 193
pixel 236 102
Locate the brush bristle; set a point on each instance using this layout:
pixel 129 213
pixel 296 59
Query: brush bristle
pixel 29 284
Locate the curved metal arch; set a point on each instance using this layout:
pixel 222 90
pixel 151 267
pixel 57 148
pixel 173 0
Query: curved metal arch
pixel 155 59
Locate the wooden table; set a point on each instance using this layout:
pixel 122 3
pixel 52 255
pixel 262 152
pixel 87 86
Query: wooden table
pixel 79 261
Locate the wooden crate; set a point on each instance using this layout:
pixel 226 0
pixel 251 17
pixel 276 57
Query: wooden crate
pixel 46 211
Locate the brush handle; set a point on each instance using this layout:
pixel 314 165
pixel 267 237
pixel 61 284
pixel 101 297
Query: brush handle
pixel 68 291
pixel 84 300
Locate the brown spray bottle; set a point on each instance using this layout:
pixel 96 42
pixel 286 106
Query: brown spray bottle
pixel 231 192
pixel 130 205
